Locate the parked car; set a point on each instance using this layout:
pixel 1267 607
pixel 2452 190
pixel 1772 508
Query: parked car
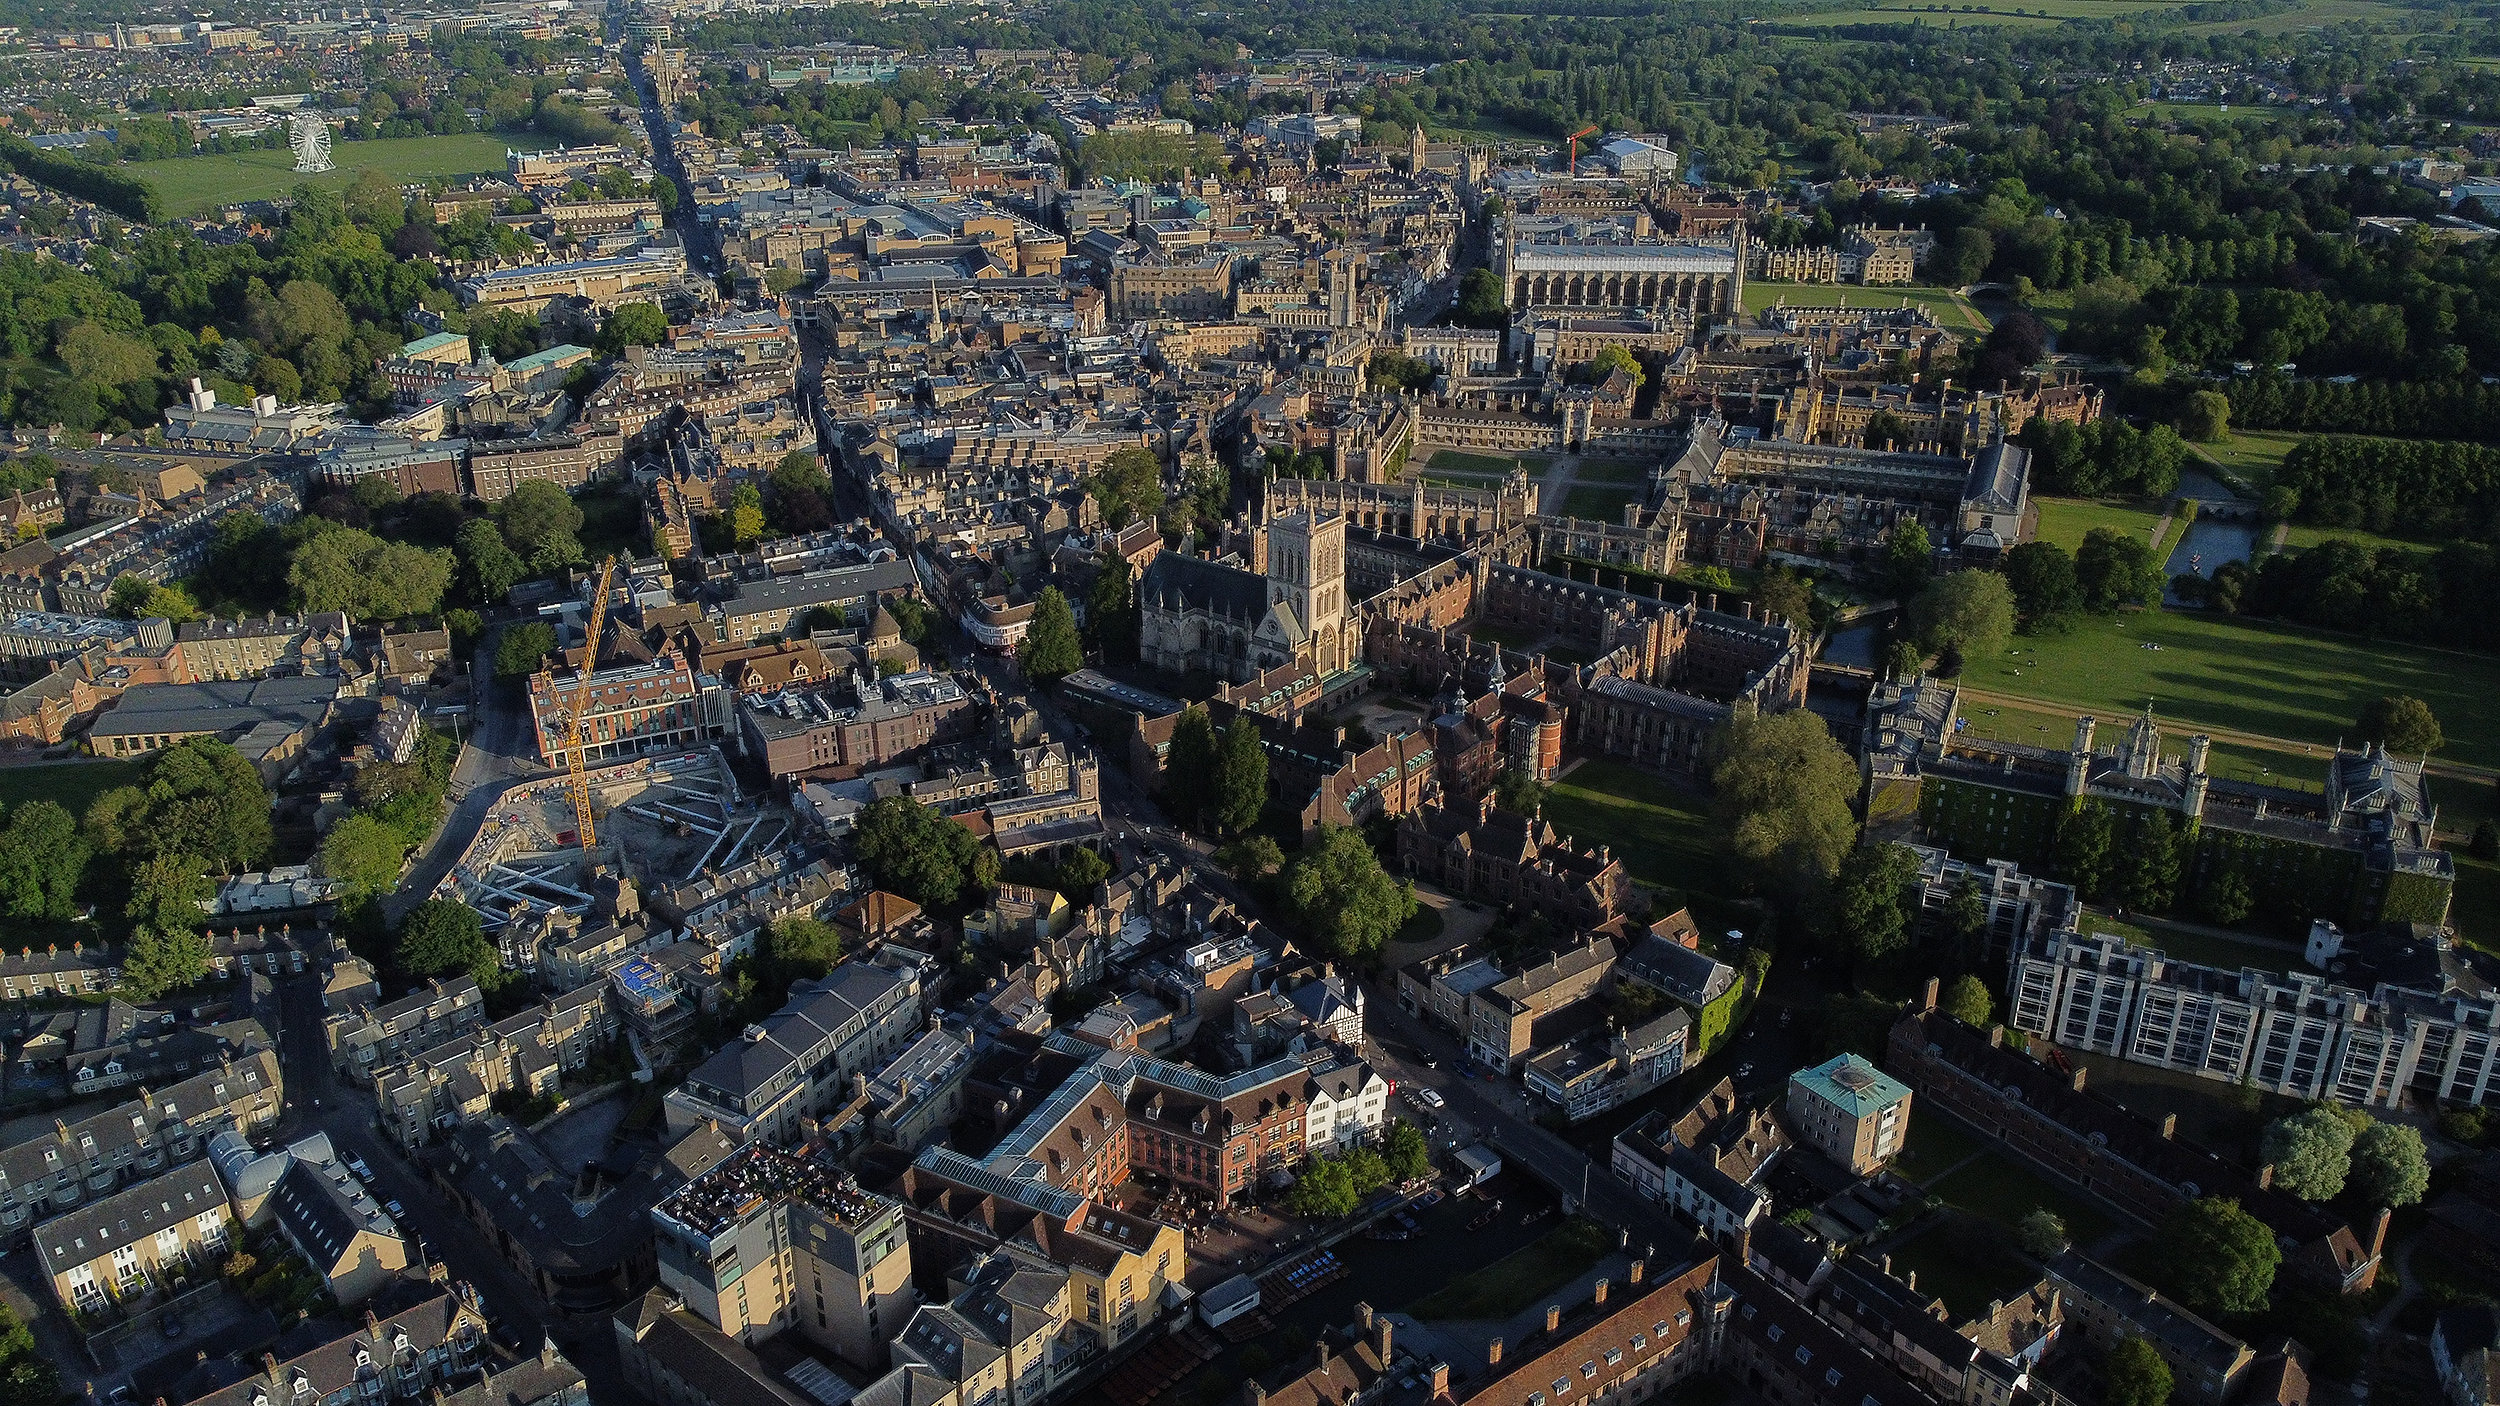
pixel 357 1165
pixel 397 1211
pixel 1432 1098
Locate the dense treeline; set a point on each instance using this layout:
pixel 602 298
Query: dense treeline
pixel 2441 597
pixel 2431 489
pixel 123 194
pixel 2451 408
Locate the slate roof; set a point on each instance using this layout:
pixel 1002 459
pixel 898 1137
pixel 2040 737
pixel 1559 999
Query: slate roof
pixel 1191 583
pixel 127 1217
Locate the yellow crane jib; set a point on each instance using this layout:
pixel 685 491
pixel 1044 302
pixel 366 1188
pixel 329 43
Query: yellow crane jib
pixel 576 779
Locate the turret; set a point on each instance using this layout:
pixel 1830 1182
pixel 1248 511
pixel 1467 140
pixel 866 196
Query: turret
pixel 2198 746
pixel 2079 761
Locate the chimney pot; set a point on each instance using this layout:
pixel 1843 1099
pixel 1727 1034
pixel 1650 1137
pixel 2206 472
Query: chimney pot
pixel 1600 1296
pixel 1634 1276
pixel 1493 1353
pixel 1553 1317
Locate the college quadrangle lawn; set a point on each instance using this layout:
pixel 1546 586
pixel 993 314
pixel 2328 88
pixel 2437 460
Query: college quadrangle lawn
pixel 192 184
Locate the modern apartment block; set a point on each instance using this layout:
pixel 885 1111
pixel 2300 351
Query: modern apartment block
pixel 1854 1112
pixel 772 1240
pixel 2390 1012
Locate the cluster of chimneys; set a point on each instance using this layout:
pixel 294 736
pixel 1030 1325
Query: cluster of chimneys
pixel 1553 1311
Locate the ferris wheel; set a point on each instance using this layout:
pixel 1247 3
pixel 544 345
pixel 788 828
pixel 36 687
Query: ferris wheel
pixel 310 136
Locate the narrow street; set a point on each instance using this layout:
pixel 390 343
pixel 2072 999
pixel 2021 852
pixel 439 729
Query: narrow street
pixel 317 1101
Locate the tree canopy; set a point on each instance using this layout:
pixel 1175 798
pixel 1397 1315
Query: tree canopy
pixel 443 938
pixel 1784 791
pixel 1239 793
pixel 1051 650
pixel 2402 723
pixel 924 856
pixel 1971 611
pixel 2310 1152
pixel 2219 1258
pixel 1347 902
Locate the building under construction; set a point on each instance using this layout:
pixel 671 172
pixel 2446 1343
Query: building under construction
pixel 660 819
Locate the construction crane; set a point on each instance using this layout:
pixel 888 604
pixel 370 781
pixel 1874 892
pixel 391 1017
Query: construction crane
pixel 576 780
pixel 1575 149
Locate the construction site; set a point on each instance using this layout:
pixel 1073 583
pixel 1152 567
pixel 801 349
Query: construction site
pixel 658 820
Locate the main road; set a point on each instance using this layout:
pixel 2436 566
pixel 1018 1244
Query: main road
pixel 497 751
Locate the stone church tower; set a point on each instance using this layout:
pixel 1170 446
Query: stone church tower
pixel 1306 575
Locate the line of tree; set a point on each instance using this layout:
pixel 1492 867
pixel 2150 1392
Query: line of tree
pixel 2421 488
pixel 118 191
pixel 2372 407
pixel 2441 597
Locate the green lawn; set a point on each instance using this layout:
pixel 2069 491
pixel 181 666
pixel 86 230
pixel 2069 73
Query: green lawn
pixel 2064 521
pixel 2003 1190
pixel 2205 949
pixel 1602 502
pixel 2231 112
pixel 1610 471
pixel 2476 908
pixel 1937 16
pixel 1948 306
pixel 1521 1277
pixel 1506 638
pixel 2312 16
pixel 1965 1263
pixel 192 184
pixel 2282 681
pixel 1936 1146
pixel 1460 461
pixel 2221 1118
pixel 2252 455
pixel 2301 536
pixel 1663 835
pixel 72 784
pixel 2055 727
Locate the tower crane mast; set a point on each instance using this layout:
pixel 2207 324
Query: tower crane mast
pixel 576 778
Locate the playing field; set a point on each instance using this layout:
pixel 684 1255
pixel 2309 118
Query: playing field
pixel 2229 112
pixel 2065 521
pixel 193 184
pixel 2253 676
pixel 2316 15
pixel 1948 306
